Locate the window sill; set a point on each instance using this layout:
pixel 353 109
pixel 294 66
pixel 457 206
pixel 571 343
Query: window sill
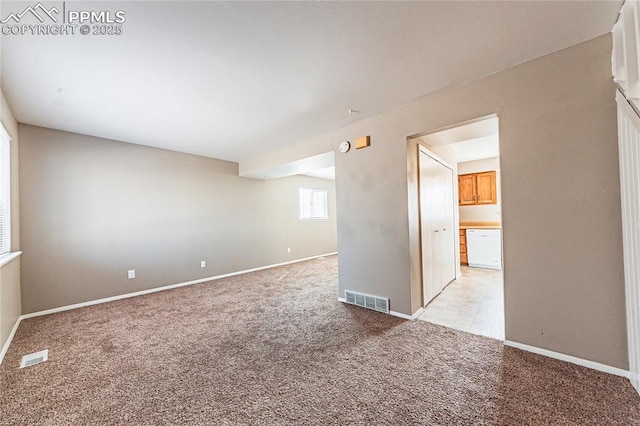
pixel 6 258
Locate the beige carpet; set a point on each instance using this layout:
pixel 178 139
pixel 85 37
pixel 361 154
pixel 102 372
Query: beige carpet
pixel 276 347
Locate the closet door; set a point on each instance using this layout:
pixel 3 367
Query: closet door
pixel 429 227
pixel 437 225
pixel 629 152
pixel 448 227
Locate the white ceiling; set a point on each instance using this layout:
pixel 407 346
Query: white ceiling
pixel 318 166
pixel 468 142
pixel 234 80
pixel 477 129
pixel 328 173
pixel 476 149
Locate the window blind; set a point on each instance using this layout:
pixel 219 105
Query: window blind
pixel 5 191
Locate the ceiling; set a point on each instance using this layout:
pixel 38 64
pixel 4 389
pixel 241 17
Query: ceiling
pixel 233 80
pixel 476 149
pixel 328 173
pixel 321 166
pixel 467 142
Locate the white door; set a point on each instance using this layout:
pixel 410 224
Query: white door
pixel 447 232
pixel 629 152
pixel 436 225
pixel 429 229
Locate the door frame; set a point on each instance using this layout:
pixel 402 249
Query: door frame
pixel 413 141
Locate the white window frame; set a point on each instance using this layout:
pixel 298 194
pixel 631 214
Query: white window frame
pixel 314 204
pixel 5 192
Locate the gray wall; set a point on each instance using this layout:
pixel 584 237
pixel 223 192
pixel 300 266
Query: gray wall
pixel 94 208
pixel 10 304
pixel 564 288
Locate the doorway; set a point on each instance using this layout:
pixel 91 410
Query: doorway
pixel 463 161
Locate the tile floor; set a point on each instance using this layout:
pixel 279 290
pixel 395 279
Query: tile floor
pixel 473 303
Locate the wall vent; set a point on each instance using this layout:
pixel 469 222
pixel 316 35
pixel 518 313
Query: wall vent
pixel 376 303
pixel 34 358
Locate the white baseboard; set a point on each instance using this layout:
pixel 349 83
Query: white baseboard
pixel 6 345
pixel 568 358
pixel 413 317
pixel 556 355
pixel 401 315
pixel 167 287
pixel 394 313
pixel 417 313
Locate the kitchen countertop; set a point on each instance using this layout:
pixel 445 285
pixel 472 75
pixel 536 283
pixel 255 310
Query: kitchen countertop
pixel 485 225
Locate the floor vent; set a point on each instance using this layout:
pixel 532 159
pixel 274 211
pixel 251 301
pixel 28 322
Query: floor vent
pixel 379 304
pixel 34 358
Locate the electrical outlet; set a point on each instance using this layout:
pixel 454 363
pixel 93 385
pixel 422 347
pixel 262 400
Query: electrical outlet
pixel 288 249
pixel 131 273
pixel 203 264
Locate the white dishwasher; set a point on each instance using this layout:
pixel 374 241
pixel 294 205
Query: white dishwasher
pixel 484 248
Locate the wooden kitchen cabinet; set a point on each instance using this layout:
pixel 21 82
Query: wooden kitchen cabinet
pixel 463 247
pixel 486 186
pixel 467 190
pixel 477 188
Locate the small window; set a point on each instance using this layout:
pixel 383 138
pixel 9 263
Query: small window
pixel 5 192
pixel 313 204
